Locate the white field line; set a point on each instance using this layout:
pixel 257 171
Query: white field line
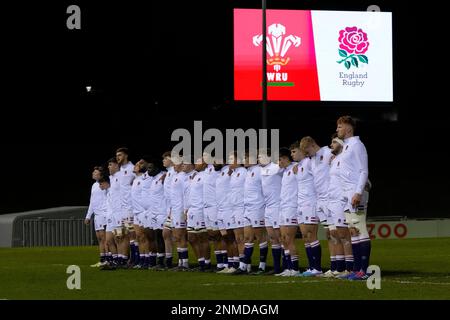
pixel 317 281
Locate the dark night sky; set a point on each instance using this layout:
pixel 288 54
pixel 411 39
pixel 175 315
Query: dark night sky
pixel 153 69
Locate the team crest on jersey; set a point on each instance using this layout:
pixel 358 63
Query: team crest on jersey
pixel 346 147
pixel 321 158
pixel 199 179
pixel 289 173
pixel 176 179
pixel 125 171
pixel 223 173
pixel 238 175
pixel 139 182
pixel 239 222
pixel 339 163
pixel 302 169
pixel 253 174
pixel 210 169
pixel 228 223
pixel 117 179
pixel 339 220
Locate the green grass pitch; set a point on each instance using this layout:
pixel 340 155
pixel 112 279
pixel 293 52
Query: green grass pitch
pixel 410 269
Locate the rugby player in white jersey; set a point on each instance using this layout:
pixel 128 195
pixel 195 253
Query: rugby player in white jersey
pixel 178 216
pixel 307 214
pixel 235 221
pixel 126 170
pixel 271 175
pixel 210 210
pixel 113 261
pixel 167 230
pixel 354 162
pixel 339 232
pixel 139 196
pixel 288 212
pixel 254 227
pixel 115 229
pixel 97 207
pixel 224 210
pixel 157 213
pixel 320 165
pixel 196 226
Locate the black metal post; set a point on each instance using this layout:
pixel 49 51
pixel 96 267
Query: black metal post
pixel 264 66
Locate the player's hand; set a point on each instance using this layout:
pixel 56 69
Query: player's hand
pixel 356 200
pixel 87 221
pixel 295 169
pixel 332 158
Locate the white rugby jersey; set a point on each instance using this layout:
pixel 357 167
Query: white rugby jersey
pixel 196 186
pixel 271 176
pixel 137 195
pixel 305 183
pixel 223 188
pixel 237 183
pixel 97 201
pixel 253 195
pixel 167 184
pixel 335 185
pixel 156 200
pixel 177 192
pixel 320 165
pixel 187 188
pixel 288 195
pixel 209 187
pixel 354 165
pixel 114 197
pixel 127 177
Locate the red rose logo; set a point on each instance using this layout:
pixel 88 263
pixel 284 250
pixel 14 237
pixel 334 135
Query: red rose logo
pixel 353 43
